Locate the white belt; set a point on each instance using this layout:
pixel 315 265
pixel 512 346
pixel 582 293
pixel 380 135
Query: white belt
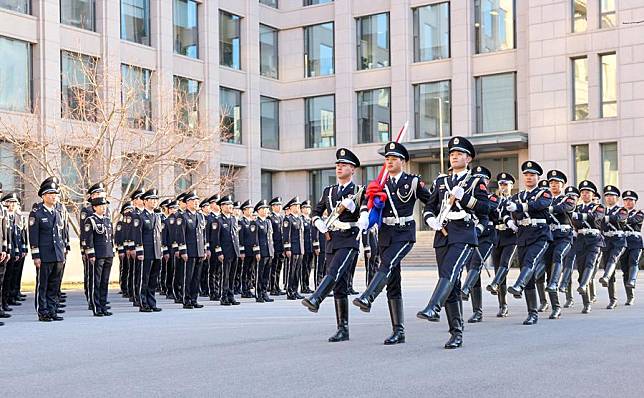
pixel 633 233
pixel 610 234
pixel 342 226
pixel 531 222
pixel 501 227
pixel 397 220
pixel 588 231
pixel 563 227
pixel 459 215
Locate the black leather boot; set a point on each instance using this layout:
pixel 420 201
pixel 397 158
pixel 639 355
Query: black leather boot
pixel 503 305
pixel 499 277
pixel 470 280
pixel 455 322
pixel 543 302
pixel 313 302
pixel 569 300
pixel 477 305
pixel 612 296
pixel 432 311
pixel 586 301
pixel 553 283
pixel 608 273
pixel 556 308
pixel 524 276
pixel 342 319
pixel 566 277
pixel 378 283
pixel 531 302
pixel 630 297
pixel 397 322
pixel 632 277
pixel 586 276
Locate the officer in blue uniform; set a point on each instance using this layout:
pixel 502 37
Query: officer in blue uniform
pixel 319 251
pixel 15 254
pixel 370 251
pixel 307 258
pixel 633 232
pixel 99 247
pixel 171 246
pixel 191 239
pixel 456 203
pixel 345 202
pixel 95 191
pixel 135 250
pixel 225 237
pixel 47 242
pixel 293 238
pixel 264 251
pixel 565 285
pixel 248 233
pixel 277 218
pixel 119 242
pixel 586 219
pixel 163 274
pixel 615 241
pixel 147 234
pixel 213 266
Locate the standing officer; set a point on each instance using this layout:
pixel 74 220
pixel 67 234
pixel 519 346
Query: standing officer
pixel 569 261
pixel 5 250
pixel 176 234
pixel 213 266
pixel 147 237
pixel 264 249
pixel 615 240
pixel 204 211
pixel 163 275
pixel 16 254
pixel 293 237
pixel 307 259
pixel 119 241
pixel 633 232
pixel 192 248
pixel 172 247
pixel 99 247
pixel 93 192
pixel 276 267
pixel 7 226
pixel 47 241
pixel 464 199
pixel 248 234
pixel 134 249
pixel 227 248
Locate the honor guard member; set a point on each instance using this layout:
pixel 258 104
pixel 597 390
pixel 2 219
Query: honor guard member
pixel 346 204
pixel 214 266
pixel 134 249
pixel 237 265
pixel 176 233
pixel 204 211
pixel 151 228
pixel 614 240
pixel 463 199
pixel 487 238
pixel 278 260
pixel 293 237
pixel 307 259
pixel 560 225
pixel 99 244
pixel 119 242
pixel 264 251
pixel 93 192
pixel 565 285
pixel 172 247
pixel 247 232
pixel 370 251
pixel 505 247
pixel 633 232
pixel 46 239
pixel 586 219
pixel 319 251
pixel 192 248
pixel 227 247
pixel 530 210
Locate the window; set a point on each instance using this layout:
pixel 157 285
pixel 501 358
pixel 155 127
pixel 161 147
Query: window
pixel 373 41
pixel 78 86
pixel 74 171
pixel 229 40
pixel 11 168
pixel 579 15
pixel 610 167
pixel 184 175
pixel 318 179
pixel 230 115
pixel 270 3
pixel 431 32
pixel 581 168
pixel 15 75
pixel 608 15
pixel 432 109
pixel 135 21
pixel 495 165
pixel 136 96
pixel 494 25
pixel 580 88
pixel 609 85
pixel 186 28
pixel 267 185
pixel 269 123
pixel 369 173
pixel 496 103
pixel 313 2
pixel 374 116
pixel 319 122
pixel 318 50
pixel 23 6
pixel 186 103
pixel 268 52
pixel 78 13
pixel 229 175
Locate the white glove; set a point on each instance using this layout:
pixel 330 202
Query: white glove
pixel 575 214
pixel 319 224
pixel 363 221
pixel 433 223
pixel 511 207
pixel 458 192
pixel 348 204
pixel 513 225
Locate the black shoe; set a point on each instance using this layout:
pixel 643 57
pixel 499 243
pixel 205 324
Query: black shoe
pixel 188 306
pixel 55 317
pixel 107 313
pixel 4 315
pixel 98 314
pixel 531 319
pixel 313 302
pixel 543 307
pixel 246 295
pixel 378 282
pixel 291 296
pixel 44 318
pixel 396 314
pixel 259 299
pixel 476 317
pixel 342 320
pixel 59 311
pixel 503 311
pixel 455 341
pixel 266 298
pixel 157 309
pixel 196 305
pixel 587 308
pixel 569 303
pixel 531 302
pixel 233 301
pixel 432 311
pixel 630 301
pixel 145 309
pixel 62 305
pixel 178 301
pixel 6 308
pixel 611 305
pixel 556 313
pixel 214 298
pixel 169 296
pixel 454 314
pixel 352 292
pixel 224 301
pixel 298 296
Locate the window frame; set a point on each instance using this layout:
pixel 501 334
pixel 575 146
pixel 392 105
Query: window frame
pixel 416 31
pixel 602 146
pixel 197 26
pixel 60 19
pixel 275 31
pixel 307 70
pixel 148 23
pixel 477 29
pixel 261 130
pixel 479 107
pixel 573 90
pixel 307 139
pixel 231 140
pixel 416 93
pixel 358 21
pixel 603 102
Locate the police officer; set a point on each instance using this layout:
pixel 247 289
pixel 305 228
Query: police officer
pixel 227 247
pixel 135 251
pixel 119 241
pixel 192 248
pixel 293 237
pixel 614 239
pixel 204 211
pixel 214 265
pixel 319 251
pixel 370 252
pixel 172 247
pixel 7 254
pixel 540 282
pixel 99 247
pixel 93 192
pixel 586 219
pixel 163 275
pixel 455 204
pixel 569 261
pixel 307 258
pixel 264 251
pixel 633 232
pixel 248 234
pixel 17 253
pixel 346 204
pixel 47 242
pixel 237 265
pixel 149 243
pixel 278 260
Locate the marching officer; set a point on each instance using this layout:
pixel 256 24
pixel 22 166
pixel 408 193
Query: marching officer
pixel 569 261
pixel 278 260
pixel 227 247
pixel 192 248
pixel 319 251
pixel 248 234
pixel 265 250
pixel 293 237
pixel 307 258
pixel 99 247
pixel 370 252
pixel 147 231
pixel 633 232
pixel 214 265
pixel 455 204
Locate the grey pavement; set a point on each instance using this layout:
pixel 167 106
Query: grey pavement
pixel 280 349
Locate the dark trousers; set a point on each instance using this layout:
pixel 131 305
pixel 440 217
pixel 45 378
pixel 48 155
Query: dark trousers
pixel 214 277
pixel 169 274
pixel 237 272
pixel 352 271
pixel 502 259
pixel 17 278
pixel 130 277
pixel 247 271
pixel 149 279
pixel 227 278
pixel 276 269
pixel 204 289
pixel 86 277
pixel 138 277
pixel 123 272
pixel 179 276
pixel 320 267
pixel 4 266
pixel 307 261
pixel 390 257
pixel 163 275
pixel 48 279
pixel 188 275
pixel 337 265
pixel 195 281
pixel 262 274
pixel 99 279
pixel 530 256
pixel 293 273
pixel 451 260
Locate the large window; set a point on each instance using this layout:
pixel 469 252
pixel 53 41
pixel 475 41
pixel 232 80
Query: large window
pixel 580 88
pixel 136 96
pixel 15 75
pixel 267 184
pixel 432 109
pixel 186 103
pixel 78 86
pixel 75 172
pixel 230 115
pixel 494 25
pixel 268 52
pixel 10 169
pixel 319 121
pixel 269 123
pixel 431 32
pixel 609 85
pixel 270 3
pixel 610 166
pixel 135 21
pixel 186 28
pixel 318 179
pixel 318 50
pixel 496 103
pixel 607 14
pixel 581 167
pixel 313 2
pixel 23 6
pixel 229 40
pixel 374 116
pixel 78 13
pixel 579 15
pixel 498 165
pixel 373 41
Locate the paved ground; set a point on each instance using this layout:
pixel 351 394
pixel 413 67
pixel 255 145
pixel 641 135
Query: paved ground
pixel 280 349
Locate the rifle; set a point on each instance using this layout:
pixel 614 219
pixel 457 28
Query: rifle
pixel 449 201
pixel 339 209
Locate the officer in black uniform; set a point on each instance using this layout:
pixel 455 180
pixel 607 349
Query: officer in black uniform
pixel 148 240
pixel 5 251
pixel 370 251
pixel 615 241
pixel 565 285
pixel 307 258
pixel 119 241
pixel 170 243
pixel 319 251
pixel 277 218
pixel 175 232
pixel 213 267
pixel 264 249
pixel 47 242
pixel 457 201
pixel 99 247
pixel 293 238
pixel 192 248
pixel 95 191
pixel 163 275
pixel 135 250
pixel 225 237
pixel 16 253
pixel 248 234
pixel 633 232
pixel 540 282
pixel 9 256
pixel 345 203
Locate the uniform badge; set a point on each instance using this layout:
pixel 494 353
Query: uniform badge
pixel 478 168
pixel 128 220
pixel 87 227
pixel 171 221
pixel 406 186
pixel 285 224
pixel 392 146
pixel 178 221
pixel 585 183
pixel 118 227
pixel 83 215
pixel 342 152
pixel 32 220
pixel 503 175
pixel 456 140
pixel 214 225
pixel 554 173
pixel 136 222
pixel 252 228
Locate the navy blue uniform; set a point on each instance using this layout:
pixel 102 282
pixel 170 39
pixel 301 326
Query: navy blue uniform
pixel 248 232
pixel 225 237
pixel 99 247
pixel 631 258
pixel 505 248
pixel 147 234
pixel 307 258
pixel 293 238
pixel 615 245
pixel 586 219
pixel 487 237
pixel 214 265
pixel 191 238
pixel 370 251
pixel 319 245
pixel 278 258
pixel 266 250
